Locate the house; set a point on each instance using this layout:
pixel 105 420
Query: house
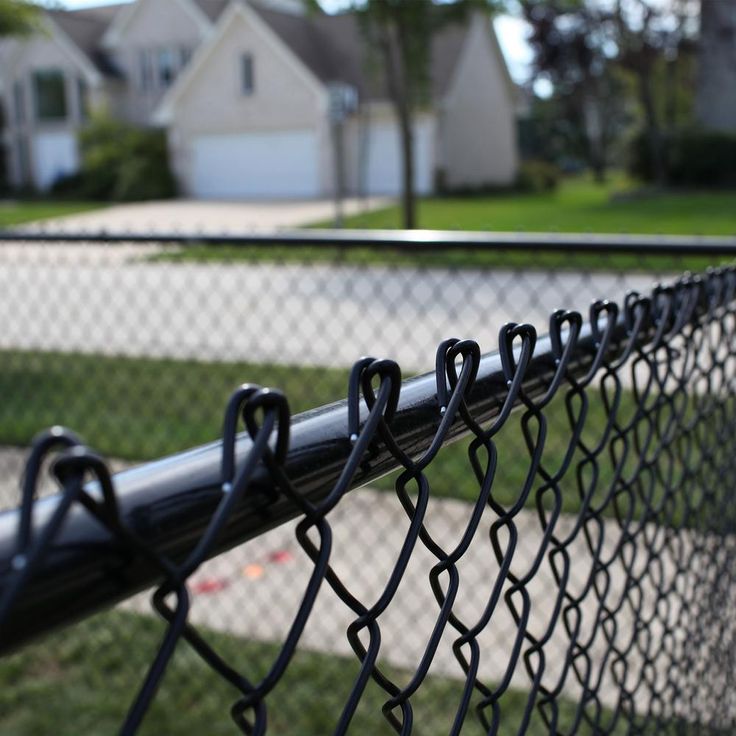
pixel 258 97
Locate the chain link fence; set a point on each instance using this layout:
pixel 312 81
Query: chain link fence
pixel 565 568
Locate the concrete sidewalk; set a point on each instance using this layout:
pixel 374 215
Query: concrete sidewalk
pixel 211 218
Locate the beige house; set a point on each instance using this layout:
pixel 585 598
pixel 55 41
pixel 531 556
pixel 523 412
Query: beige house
pixel 259 99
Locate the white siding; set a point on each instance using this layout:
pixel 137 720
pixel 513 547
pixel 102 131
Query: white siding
pixel 477 121
pixel 383 161
pixel 155 25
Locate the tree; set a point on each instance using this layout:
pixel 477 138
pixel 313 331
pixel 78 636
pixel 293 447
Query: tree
pixel 401 32
pixel 17 17
pixel 570 40
pixel 594 50
pixel 648 34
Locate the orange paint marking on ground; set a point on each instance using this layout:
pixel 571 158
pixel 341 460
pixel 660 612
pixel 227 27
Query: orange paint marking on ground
pixel 253 572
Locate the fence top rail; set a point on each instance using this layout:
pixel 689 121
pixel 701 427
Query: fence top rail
pixel 399 240
pixel 169 503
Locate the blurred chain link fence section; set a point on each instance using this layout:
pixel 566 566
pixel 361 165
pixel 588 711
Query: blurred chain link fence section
pixel 537 541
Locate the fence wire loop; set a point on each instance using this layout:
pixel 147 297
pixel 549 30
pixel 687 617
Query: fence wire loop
pixel 626 518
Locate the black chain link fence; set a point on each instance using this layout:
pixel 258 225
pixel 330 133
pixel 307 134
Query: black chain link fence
pixel 565 567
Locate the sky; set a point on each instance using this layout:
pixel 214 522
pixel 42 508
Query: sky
pixel 510 31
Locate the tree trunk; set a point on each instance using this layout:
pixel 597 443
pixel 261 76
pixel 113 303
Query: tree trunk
pixel 653 132
pixel 408 195
pixel 593 125
pixel 399 90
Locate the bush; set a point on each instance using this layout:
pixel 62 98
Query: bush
pixel 123 163
pixel 695 158
pixel 538 176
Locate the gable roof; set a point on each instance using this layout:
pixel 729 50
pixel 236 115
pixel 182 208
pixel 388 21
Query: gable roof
pixel 333 48
pixel 121 20
pixel 213 9
pixel 85 28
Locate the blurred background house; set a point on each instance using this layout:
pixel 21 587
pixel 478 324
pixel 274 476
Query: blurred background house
pixel 257 99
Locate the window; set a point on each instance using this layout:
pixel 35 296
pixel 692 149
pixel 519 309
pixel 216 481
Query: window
pixel 167 67
pixel 145 61
pixel 19 103
pixel 185 55
pixel 160 67
pixel 247 80
pixel 49 91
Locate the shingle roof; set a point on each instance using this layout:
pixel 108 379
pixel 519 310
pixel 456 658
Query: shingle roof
pixel 212 8
pixel 85 29
pixel 332 47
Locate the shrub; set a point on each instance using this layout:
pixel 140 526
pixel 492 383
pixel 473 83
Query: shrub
pixel 124 163
pixel 692 157
pixel 538 176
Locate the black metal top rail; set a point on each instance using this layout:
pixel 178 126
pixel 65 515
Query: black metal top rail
pixel 169 504
pixel 401 240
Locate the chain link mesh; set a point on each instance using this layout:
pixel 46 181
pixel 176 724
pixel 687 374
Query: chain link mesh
pixel 566 568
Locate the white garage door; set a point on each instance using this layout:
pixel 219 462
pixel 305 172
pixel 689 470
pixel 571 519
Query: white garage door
pixel 255 165
pixel 54 155
pixel 385 163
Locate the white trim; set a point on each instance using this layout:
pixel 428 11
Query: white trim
pixel 115 31
pixel 57 36
pixel 164 113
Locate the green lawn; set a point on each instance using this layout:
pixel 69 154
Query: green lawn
pixel 139 408
pixel 17 213
pixel 142 409
pixel 82 680
pixel 578 206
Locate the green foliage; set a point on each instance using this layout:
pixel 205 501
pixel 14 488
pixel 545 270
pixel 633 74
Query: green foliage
pixel 538 176
pixel 692 158
pixel 17 17
pixel 124 163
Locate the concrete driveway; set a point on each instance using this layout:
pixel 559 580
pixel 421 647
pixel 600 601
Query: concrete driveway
pixel 214 218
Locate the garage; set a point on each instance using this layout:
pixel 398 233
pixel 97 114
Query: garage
pixel 384 161
pixel 261 165
pixel 55 155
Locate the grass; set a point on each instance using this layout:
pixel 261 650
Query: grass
pixel 17 213
pixel 83 679
pixel 451 257
pixel 579 206
pixel 142 409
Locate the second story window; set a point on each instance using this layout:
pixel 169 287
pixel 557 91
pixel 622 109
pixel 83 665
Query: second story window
pixel 167 67
pixel 49 94
pixel 160 67
pixel 247 78
pixel 145 62
pixel 19 102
